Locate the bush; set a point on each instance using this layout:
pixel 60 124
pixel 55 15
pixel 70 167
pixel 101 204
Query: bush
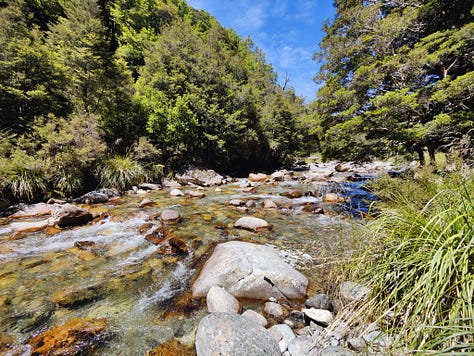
pixel 121 173
pixel 422 266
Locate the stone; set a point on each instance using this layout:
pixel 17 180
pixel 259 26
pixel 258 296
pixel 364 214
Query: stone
pixel 75 336
pixel 149 186
pixel 73 296
pixel 232 334
pixel 333 198
pixel 357 344
pixel 287 336
pixel 172 347
pixel 253 224
pixel 378 339
pixel 258 177
pixel 256 317
pixel 278 176
pixel 320 316
pixel 252 271
pixel 29 226
pixel 176 193
pixel 145 202
pixel 69 215
pixel 93 197
pixel 353 292
pixel 33 210
pixel 202 177
pixel 220 301
pixel 237 202
pixel 300 346
pixel 273 309
pixel 341 167
pixel 170 217
pixel 194 194
pixel 319 301
pixel 269 204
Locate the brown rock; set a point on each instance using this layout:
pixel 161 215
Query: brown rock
pixel 269 204
pixel 69 215
pixel 258 177
pixel 75 336
pixel 172 348
pixel 333 198
pixel 145 202
pixel 170 217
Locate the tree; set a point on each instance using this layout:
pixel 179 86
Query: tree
pixel 388 67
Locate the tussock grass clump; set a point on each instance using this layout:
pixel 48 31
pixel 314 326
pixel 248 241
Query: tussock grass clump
pixel 121 173
pixel 421 267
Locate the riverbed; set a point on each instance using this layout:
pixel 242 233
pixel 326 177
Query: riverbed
pixel 109 269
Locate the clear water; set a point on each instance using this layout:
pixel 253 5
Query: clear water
pixel 45 279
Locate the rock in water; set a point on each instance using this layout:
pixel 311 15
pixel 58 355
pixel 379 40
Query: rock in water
pixel 33 210
pixel 170 217
pixel 76 336
pixel 248 270
pixel 69 215
pixel 232 334
pixel 251 223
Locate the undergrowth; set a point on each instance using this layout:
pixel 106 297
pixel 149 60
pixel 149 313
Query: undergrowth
pixel 419 262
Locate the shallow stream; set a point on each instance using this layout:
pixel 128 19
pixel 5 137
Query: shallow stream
pixel 108 269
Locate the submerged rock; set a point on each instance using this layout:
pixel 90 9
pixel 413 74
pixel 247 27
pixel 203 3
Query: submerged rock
pixel 171 348
pixel 251 223
pixel 250 271
pixel 176 193
pixel 74 337
pixel 232 334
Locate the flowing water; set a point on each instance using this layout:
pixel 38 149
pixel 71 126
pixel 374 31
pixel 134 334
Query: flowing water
pixel 48 277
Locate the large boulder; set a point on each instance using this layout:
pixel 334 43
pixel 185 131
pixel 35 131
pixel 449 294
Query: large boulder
pixel 250 271
pixel 202 177
pixel 69 215
pixel 232 334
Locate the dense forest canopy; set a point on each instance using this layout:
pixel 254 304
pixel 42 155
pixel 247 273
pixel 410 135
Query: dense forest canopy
pixel 108 92
pixel 89 89
pixel 397 78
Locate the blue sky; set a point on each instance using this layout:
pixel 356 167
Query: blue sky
pixel 287 31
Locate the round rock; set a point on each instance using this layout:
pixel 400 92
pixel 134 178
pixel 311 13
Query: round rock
pixel 232 334
pixel 253 224
pixel 169 216
pixel 319 301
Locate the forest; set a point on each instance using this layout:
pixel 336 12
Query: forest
pixel 112 92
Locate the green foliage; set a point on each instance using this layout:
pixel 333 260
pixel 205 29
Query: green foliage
pixel 121 173
pixel 399 70
pixel 147 82
pixel 423 270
